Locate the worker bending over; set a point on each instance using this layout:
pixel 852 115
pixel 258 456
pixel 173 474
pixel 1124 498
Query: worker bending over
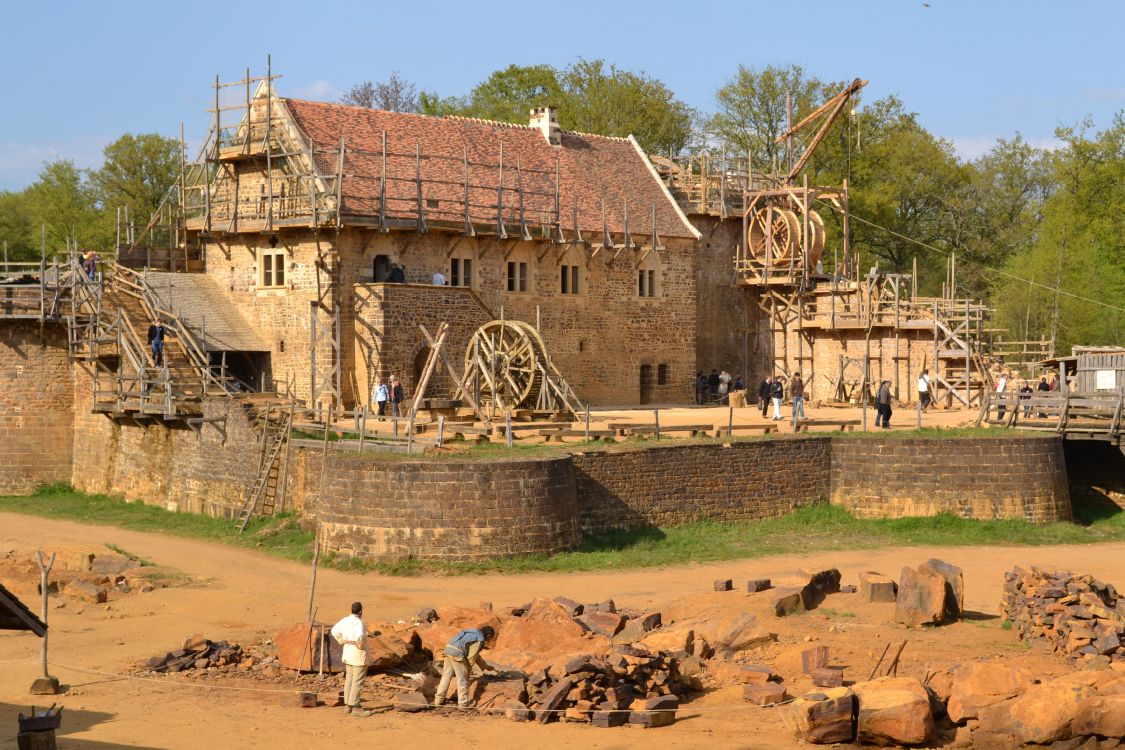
pixel 462 656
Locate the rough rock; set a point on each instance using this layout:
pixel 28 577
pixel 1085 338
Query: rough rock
pixel 679 637
pixel 87 591
pixel 825 717
pixel 1103 715
pixel 1043 713
pixel 752 674
pixel 297 650
pixel 412 702
pixel 603 622
pixel 954 587
pixel 921 597
pixel 741 632
pixel 517 711
pixel 500 691
pixel 893 711
pixel 787 601
pixel 978 686
pixel 111 564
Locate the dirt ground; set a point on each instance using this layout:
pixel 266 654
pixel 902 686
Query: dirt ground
pixel 235 594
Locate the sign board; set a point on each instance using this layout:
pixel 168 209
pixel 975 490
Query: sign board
pixel 1105 380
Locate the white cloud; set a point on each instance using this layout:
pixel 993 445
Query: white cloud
pixel 20 162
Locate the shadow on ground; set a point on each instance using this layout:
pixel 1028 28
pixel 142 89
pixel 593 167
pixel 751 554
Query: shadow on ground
pixel 73 721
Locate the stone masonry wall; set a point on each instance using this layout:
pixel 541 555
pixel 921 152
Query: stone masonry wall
pixel 744 481
pixel 173 466
pixel 984 478
pixel 387 509
pixel 36 406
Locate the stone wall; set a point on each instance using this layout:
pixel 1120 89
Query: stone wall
pixel 36 406
pixel 176 467
pixel 984 478
pixel 375 508
pixel 745 481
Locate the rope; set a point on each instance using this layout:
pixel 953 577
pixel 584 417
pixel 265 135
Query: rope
pixel 971 262
pixel 478 709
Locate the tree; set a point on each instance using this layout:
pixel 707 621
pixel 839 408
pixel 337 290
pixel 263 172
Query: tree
pixel 751 110
pixel 63 202
pixel 589 96
pixel 609 101
pixel 137 172
pixel 15 226
pixel 396 94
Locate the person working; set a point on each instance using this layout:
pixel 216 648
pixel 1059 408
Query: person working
pixel 352 634
pixel 777 391
pixel 764 394
pixel 438 278
pixel 462 656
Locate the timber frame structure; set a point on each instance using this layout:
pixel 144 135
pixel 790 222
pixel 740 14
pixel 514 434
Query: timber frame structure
pixel 795 308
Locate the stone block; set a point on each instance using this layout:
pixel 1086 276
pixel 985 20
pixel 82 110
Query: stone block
pixel 827 677
pixel 893 711
pixel 752 674
pixel 765 694
pixel 306 700
pixel 824 718
pixel 754 585
pixel 954 603
pixel 724 584
pixel 411 702
pixel 921 597
pixel 876 587
pixel 814 658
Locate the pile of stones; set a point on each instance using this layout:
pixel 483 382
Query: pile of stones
pixel 1082 617
pixel 630 685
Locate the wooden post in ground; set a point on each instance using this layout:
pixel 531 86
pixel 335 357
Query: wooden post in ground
pixel 587 438
pixel 440 430
pixel 45 684
pixel 656 417
pixel 730 421
pixel 315 564
pixel 508 427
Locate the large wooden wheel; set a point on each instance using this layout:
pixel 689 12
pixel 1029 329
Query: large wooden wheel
pixel 507 356
pixel 816 238
pixel 776 228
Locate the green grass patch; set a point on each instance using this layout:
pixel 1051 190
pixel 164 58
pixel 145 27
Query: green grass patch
pixel 142 561
pixel 821 527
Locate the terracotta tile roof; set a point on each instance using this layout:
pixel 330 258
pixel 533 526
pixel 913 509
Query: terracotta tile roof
pixel 591 168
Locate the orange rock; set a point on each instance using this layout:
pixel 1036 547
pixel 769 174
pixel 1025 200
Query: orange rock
pixel 921 597
pixel 1043 713
pixel 977 686
pixel 297 650
pixel 893 711
pixel 1103 715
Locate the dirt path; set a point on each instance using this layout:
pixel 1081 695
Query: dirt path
pixel 241 595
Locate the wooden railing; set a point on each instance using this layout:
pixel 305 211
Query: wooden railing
pixel 1078 416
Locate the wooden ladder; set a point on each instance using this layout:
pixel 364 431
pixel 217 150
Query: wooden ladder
pixel 264 491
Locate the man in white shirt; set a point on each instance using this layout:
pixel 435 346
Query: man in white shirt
pixel 924 389
pixel 439 278
pixel 352 634
pixel 724 386
pixel 1001 386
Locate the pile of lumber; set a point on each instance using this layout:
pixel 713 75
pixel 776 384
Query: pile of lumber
pixel 630 685
pixel 1082 617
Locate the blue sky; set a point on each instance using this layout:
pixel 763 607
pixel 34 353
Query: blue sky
pixel 77 75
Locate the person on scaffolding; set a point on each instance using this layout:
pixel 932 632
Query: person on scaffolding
pixel 462 657
pixel 156 342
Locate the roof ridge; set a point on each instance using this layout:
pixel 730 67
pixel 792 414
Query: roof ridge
pixel 623 139
pixel 485 121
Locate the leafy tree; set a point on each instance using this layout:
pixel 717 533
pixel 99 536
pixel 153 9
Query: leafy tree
pixel 751 110
pixel 63 201
pixel 15 226
pixel 396 94
pixel 137 172
pixel 590 96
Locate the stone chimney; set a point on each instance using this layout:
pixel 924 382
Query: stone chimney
pixel 547 120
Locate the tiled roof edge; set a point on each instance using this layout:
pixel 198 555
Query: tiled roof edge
pixel 664 188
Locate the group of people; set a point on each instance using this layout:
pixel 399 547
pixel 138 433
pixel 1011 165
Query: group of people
pixel 716 387
pixel 1025 392
pixel 389 392
pixel 461 659
pixel 772 391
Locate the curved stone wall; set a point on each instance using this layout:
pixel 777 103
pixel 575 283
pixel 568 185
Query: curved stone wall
pixel 374 508
pixel 985 478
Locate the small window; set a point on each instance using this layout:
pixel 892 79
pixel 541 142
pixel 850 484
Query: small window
pixel 646 283
pixel 662 374
pixel 517 276
pixel 568 279
pixel 461 272
pixel 272 269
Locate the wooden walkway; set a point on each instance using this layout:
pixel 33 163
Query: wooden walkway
pixel 1074 416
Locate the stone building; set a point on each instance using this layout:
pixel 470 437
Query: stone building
pixel 302 210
